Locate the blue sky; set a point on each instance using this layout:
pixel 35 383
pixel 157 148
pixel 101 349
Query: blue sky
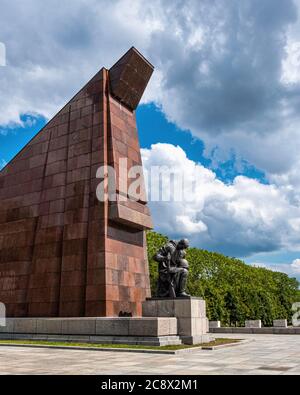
pixel 224 100
pixel 155 128
pixel 13 139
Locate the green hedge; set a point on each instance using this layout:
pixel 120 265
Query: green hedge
pixel 234 291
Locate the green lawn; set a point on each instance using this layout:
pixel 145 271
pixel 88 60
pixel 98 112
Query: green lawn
pixel 216 342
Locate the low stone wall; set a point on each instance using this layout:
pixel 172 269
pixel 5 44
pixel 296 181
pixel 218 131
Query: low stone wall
pixel 144 330
pixel 266 330
pixel 127 326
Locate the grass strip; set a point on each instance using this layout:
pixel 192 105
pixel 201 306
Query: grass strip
pixel 216 342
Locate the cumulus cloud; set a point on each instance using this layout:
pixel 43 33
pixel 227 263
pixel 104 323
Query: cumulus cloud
pixel 54 47
pixel 229 74
pixel 240 218
pixel 226 70
pixel 296 266
pixel 292 269
pixel 3 163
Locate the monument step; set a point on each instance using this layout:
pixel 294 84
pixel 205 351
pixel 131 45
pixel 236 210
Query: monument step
pixel 130 340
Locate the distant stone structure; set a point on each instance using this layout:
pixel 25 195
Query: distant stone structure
pixel 253 324
pixel 214 324
pixel 280 323
pixel 64 253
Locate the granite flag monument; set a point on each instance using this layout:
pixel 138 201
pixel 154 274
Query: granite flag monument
pixel 64 253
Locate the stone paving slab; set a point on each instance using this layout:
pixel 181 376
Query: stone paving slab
pixel 267 355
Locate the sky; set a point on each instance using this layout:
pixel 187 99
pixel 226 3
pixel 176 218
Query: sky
pixel 223 101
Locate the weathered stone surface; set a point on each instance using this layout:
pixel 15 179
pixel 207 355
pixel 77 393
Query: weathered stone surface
pixel 59 328
pixel 46 326
pixel 190 307
pixel 190 313
pixel 180 307
pixel 26 325
pixel 79 326
pixel 149 309
pixel 280 323
pixel 192 326
pixel 173 326
pixel 8 327
pixel 253 324
pixel 214 324
pixel 148 326
pixel 117 326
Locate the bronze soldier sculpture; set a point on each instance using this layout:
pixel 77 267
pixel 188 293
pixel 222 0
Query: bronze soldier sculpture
pixel 172 269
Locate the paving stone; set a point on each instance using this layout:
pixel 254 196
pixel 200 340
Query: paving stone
pixel 264 350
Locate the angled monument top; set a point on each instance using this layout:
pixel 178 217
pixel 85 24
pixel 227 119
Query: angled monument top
pixel 129 78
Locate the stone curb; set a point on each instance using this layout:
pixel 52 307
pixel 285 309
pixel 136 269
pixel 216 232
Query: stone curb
pixel 90 348
pixel 240 343
pixel 145 351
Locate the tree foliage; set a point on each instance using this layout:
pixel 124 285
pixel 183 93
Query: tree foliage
pixel 234 291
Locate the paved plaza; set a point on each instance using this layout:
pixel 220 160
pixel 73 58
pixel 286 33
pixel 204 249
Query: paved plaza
pixel 266 354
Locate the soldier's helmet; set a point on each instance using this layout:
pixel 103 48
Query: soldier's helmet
pixel 183 263
pixel 183 243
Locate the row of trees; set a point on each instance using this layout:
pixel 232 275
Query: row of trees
pixel 234 291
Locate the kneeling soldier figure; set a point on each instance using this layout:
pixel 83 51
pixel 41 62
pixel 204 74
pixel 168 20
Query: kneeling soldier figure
pixel 173 269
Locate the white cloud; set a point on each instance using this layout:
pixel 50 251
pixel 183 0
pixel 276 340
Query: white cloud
pixel 2 55
pixel 296 266
pixel 3 163
pixel 54 48
pixel 292 269
pixel 291 64
pixel 226 70
pixel 221 67
pixel 242 218
pixel 228 88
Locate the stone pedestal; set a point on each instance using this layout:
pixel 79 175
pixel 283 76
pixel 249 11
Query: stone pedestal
pixel 164 322
pixel 192 324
